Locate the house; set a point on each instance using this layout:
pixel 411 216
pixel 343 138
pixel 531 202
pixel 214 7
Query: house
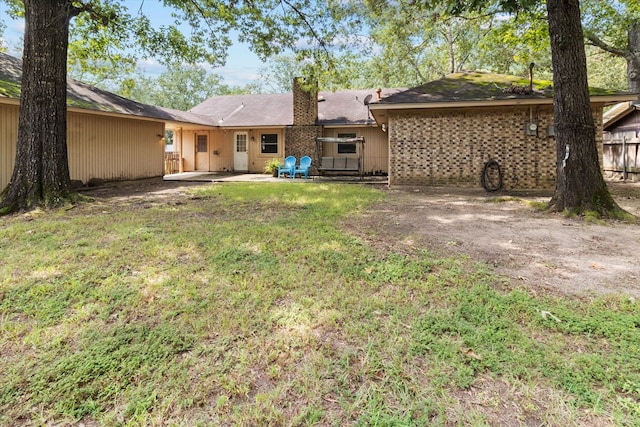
pixel 253 129
pixel 109 137
pixel 621 150
pixel 446 131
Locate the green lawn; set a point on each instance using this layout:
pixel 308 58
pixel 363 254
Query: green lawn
pixel 250 304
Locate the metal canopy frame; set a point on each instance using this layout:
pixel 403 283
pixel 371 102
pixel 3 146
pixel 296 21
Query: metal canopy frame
pixel 356 140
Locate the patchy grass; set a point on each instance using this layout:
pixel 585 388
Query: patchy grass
pixel 533 204
pixel 248 304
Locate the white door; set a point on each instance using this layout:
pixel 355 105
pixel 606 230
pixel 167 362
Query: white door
pixel 240 155
pixel 202 153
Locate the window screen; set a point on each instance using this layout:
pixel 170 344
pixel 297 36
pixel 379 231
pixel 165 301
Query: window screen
pixel 241 143
pixel 349 148
pixel 202 143
pixel 269 143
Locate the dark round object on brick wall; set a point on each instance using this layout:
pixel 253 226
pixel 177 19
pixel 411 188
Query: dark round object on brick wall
pixel 491 178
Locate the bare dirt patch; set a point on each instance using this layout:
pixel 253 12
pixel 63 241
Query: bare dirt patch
pixel 544 251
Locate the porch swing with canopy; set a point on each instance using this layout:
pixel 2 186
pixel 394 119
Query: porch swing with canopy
pixel 341 164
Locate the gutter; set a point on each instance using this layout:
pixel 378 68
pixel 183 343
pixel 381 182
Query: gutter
pixel 606 99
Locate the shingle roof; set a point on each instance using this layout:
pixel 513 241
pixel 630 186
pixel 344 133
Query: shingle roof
pixel 474 86
pixel 346 107
pixel 247 110
pixel 84 96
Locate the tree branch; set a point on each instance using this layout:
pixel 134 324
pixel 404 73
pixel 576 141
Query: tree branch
pixel 302 16
pixel 597 42
pixel 77 10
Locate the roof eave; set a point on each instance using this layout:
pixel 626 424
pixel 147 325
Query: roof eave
pixel 613 99
pixel 9 101
pixel 329 125
pixel 460 104
pixel 618 112
pixel 113 114
pixel 250 126
pixel 139 117
pixel 599 99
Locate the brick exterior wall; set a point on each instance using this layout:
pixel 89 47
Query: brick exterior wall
pixel 300 138
pixel 300 141
pixel 450 147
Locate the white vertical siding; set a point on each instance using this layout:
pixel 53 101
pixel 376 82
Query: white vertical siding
pixel 376 147
pixel 8 136
pixel 98 146
pixel 221 148
pixel 222 142
pixel 257 160
pixel 114 148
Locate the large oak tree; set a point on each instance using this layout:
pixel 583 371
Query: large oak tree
pixel 41 173
pixel 579 183
pixel 580 186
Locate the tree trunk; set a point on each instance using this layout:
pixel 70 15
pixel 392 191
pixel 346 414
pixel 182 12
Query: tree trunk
pixel 580 186
pixel 633 60
pixel 41 172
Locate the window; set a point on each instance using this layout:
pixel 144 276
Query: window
pixel 241 143
pixel 168 137
pixel 201 143
pixel 269 143
pixel 349 148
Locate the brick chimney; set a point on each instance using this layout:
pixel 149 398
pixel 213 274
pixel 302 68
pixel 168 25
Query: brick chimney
pixel 300 137
pixel 305 103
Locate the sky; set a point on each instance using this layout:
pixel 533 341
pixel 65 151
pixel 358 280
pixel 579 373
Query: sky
pixel 242 65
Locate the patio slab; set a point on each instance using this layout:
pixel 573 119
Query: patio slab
pixel 256 177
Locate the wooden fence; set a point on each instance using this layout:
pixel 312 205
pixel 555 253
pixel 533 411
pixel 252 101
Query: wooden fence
pixel 622 156
pixel 171 162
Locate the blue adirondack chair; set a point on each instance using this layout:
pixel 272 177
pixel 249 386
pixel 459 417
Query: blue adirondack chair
pixel 305 164
pixel 289 166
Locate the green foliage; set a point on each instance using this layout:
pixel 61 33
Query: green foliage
pixel 180 87
pixel 109 37
pixel 421 43
pixel 480 331
pixel 272 165
pixel 9 89
pixel 605 70
pixel 609 22
pixel 279 73
pixel 105 363
pixel 417 45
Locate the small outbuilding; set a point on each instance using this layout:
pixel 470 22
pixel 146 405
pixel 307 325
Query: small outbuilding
pixel 621 149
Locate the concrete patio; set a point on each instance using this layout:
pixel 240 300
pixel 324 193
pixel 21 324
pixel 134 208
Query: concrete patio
pixel 255 177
